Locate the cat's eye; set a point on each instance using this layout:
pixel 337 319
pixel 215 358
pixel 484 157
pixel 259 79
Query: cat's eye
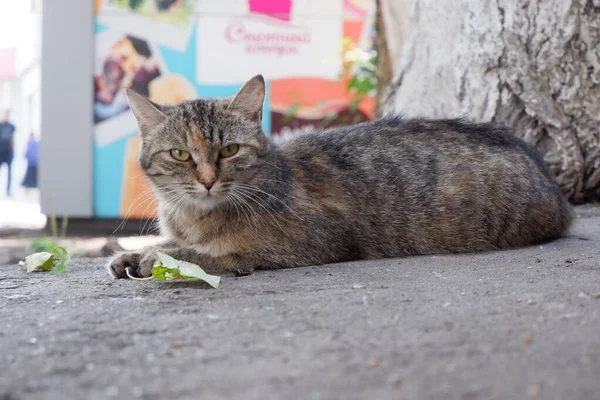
pixel 229 151
pixel 180 155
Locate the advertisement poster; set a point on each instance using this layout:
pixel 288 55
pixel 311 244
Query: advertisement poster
pixel 176 50
pixel 278 38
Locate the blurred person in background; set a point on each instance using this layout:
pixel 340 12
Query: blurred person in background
pixel 7 145
pixel 31 154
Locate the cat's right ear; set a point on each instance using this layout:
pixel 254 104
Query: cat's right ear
pixel 147 113
pixel 249 100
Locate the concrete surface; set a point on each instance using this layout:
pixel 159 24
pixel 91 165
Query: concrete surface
pixel 14 249
pixel 504 325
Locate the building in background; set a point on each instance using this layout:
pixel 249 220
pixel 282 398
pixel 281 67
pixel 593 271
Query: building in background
pixel 20 76
pixel 184 49
pixel 20 91
pixel 170 51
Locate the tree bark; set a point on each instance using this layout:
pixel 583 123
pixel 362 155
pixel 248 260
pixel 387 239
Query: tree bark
pixel 533 65
pixel 383 62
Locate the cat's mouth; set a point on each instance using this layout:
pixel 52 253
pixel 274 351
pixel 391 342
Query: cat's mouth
pixel 211 198
pixel 210 194
pixel 216 191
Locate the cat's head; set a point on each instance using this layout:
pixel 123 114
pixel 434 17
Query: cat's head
pixel 196 153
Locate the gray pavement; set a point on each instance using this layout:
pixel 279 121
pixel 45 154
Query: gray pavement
pixel 515 324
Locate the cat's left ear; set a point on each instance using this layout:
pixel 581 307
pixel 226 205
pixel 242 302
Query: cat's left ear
pixel 249 100
pixel 147 113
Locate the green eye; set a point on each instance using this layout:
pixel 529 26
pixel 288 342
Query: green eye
pixel 180 155
pixel 229 150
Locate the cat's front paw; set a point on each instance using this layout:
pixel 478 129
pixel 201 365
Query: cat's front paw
pixel 121 262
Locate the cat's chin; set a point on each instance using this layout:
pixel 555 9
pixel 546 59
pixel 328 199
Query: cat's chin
pixel 209 203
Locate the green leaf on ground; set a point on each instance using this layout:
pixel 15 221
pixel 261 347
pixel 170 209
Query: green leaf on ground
pixel 39 245
pixel 62 260
pixel 166 274
pixel 168 268
pixel 55 261
pixel 43 261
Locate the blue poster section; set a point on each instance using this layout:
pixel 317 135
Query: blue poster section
pixel 109 159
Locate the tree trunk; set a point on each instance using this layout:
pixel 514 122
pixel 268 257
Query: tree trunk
pixel 533 65
pixel 383 62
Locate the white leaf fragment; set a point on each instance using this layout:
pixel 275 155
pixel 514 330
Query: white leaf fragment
pixel 188 269
pixel 43 261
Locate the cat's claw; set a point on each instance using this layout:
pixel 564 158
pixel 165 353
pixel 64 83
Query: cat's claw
pixel 122 262
pixel 242 272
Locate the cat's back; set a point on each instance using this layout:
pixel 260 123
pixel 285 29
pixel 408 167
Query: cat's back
pixel 409 139
pixel 459 185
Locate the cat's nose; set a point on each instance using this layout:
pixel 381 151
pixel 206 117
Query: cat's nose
pixel 206 175
pixel 208 184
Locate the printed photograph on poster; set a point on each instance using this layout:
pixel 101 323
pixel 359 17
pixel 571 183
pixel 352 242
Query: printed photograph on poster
pixel 278 38
pixel 166 22
pixel 122 61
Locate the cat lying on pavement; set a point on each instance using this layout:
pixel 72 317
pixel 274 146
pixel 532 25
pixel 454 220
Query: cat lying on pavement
pixel 230 200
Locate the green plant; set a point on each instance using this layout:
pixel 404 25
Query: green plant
pixel 54 226
pixel 290 113
pixel 360 66
pixel 43 244
pixel 40 244
pixel 56 261
pixel 360 73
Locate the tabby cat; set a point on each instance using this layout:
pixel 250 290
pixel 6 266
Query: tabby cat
pixel 230 200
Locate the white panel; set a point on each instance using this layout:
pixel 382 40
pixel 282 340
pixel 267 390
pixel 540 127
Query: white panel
pixel 304 41
pixel 66 144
